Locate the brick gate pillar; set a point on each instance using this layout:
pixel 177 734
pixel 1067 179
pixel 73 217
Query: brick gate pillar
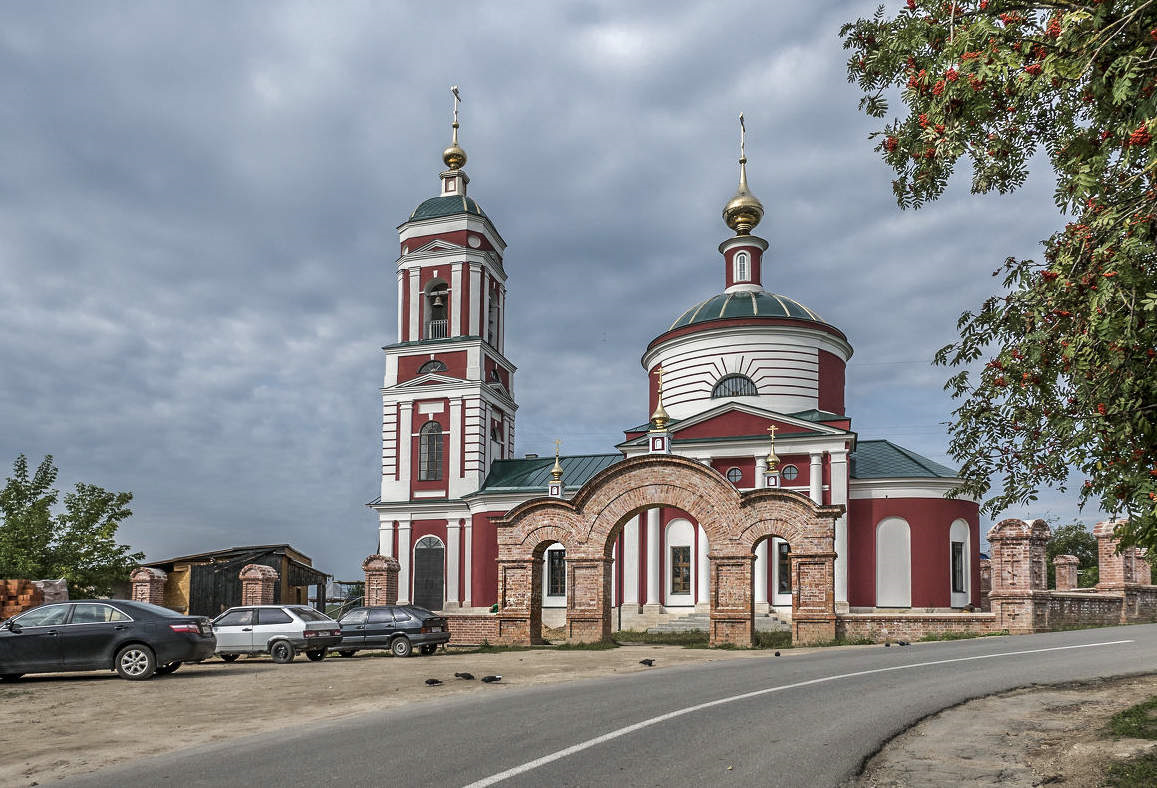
pixel 381 580
pixel 1019 595
pixel 257 584
pixel 588 594
pixel 1119 567
pixel 813 597
pixel 985 584
pixel 730 592
pixel 1066 567
pixel 519 616
pixel 148 585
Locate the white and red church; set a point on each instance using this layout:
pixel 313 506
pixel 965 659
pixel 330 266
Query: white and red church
pixel 747 381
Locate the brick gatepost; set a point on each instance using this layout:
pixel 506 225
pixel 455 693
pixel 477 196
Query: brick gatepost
pixel 587 524
pixel 148 585
pixel 1119 567
pixel 1066 566
pixel 381 580
pixel 985 584
pixel 1019 593
pixel 257 584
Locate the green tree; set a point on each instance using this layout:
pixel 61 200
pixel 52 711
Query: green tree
pixel 78 544
pixel 1070 375
pixel 1074 539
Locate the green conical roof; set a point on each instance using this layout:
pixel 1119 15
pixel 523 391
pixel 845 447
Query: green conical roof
pixel 746 303
pixel 437 207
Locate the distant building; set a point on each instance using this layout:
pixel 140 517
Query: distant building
pixel 204 584
pixel 734 366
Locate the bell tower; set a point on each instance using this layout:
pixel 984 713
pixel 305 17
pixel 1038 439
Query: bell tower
pixel 447 398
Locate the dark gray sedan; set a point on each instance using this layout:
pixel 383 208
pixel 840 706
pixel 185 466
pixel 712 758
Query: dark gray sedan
pixel 136 639
pixel 399 628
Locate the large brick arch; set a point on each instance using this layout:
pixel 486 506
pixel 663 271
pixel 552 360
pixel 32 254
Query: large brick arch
pixel 733 522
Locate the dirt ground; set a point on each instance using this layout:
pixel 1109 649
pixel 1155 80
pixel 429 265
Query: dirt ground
pixel 1032 736
pixel 48 728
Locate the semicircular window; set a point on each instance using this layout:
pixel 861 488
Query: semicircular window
pixel 734 386
pixel 432 366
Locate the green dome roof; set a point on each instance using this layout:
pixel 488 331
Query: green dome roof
pixel 745 303
pixel 437 207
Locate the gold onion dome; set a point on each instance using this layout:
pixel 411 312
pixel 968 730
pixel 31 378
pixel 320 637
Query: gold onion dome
pixel 744 210
pixel 454 156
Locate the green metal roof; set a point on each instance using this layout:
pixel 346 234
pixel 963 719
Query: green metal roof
pixel 436 207
pixel 882 459
pixel 533 474
pixel 748 303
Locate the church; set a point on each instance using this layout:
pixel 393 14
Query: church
pixel 747 382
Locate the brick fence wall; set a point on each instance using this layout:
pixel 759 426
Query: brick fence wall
pixel 468 630
pixel 879 627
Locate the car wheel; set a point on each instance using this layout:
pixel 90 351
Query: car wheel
pixel 165 670
pixel 10 676
pixel 282 652
pixel 400 647
pixel 230 657
pixel 427 649
pixel 347 652
pixel 316 656
pixel 136 662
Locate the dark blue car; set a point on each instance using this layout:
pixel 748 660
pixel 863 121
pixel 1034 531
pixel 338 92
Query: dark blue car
pixel 399 628
pixel 136 639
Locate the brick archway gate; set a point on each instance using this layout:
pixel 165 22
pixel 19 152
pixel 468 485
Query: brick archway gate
pixel 587 526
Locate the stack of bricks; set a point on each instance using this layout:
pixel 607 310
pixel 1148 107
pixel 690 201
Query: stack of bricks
pixel 16 596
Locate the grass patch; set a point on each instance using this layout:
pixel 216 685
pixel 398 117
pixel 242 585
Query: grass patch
pixel 1139 772
pixel 1136 722
pixel 932 637
pixel 694 638
pixel 599 645
pixel 773 639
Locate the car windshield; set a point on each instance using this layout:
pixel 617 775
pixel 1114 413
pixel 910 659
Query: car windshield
pixel 309 614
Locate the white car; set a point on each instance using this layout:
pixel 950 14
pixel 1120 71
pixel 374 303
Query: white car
pixel 278 630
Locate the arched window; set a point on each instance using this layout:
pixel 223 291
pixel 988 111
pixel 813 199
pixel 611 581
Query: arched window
pixel 430 452
pixel 437 326
pixel 958 568
pixel 432 366
pixel 741 274
pixel 734 386
pixel 893 563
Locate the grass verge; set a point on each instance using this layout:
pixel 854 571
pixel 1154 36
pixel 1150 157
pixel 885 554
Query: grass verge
pixel 936 636
pixel 1136 722
pixel 1139 772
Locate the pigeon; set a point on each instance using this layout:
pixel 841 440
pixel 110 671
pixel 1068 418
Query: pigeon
pixel 647 662
pixel 777 653
pixel 887 645
pixel 465 676
pixel 901 642
pixel 491 679
pixel 433 682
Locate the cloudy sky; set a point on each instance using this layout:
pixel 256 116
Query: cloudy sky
pixel 198 205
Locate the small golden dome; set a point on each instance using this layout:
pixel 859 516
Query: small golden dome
pixel 744 210
pixel 454 156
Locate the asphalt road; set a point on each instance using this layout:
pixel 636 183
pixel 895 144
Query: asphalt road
pixel 799 719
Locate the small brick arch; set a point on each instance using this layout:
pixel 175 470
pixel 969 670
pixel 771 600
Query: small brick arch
pixel 733 522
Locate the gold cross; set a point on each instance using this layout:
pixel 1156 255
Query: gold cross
pixel 773 429
pixel 659 369
pixel 557 443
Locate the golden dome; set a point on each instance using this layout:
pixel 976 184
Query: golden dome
pixel 744 210
pixel 454 156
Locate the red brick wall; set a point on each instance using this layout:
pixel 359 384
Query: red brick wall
pixel 880 627
pixel 468 630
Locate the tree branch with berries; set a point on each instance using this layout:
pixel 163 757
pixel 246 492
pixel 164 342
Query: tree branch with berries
pixel 1058 371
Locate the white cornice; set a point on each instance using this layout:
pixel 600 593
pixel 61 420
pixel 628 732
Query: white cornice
pixel 732 334
pixel 913 487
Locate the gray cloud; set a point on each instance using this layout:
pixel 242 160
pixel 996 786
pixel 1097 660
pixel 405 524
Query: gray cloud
pixel 197 215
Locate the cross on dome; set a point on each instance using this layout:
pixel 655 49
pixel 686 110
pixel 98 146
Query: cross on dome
pixel 744 210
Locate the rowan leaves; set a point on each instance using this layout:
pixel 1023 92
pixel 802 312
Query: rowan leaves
pixel 1070 379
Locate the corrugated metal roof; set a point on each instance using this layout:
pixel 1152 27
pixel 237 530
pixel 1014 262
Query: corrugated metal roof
pixel 882 459
pixel 534 474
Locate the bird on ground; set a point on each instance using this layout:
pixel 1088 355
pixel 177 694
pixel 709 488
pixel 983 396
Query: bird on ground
pixel 433 682
pixel 491 679
pixel 901 642
pixel 777 653
pixel 647 662
pixel 887 645
pixel 465 676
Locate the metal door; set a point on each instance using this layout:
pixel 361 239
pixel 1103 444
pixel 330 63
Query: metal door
pixel 429 572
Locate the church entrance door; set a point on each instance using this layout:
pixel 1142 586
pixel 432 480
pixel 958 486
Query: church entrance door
pixel 429 572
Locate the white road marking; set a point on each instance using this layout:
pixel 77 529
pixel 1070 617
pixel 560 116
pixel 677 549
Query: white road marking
pixel 606 737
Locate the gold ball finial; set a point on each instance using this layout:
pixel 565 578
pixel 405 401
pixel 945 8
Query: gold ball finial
pixel 556 471
pixel 772 458
pixel 454 156
pixel 659 418
pixel 744 210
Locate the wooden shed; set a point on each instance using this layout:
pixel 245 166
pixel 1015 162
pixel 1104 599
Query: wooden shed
pixel 207 583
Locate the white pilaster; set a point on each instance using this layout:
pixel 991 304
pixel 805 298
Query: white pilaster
pixel 761 572
pixel 614 573
pixel 401 314
pixel 703 567
pixel 467 560
pixel 839 491
pixel 652 516
pixel 415 306
pixel 631 562
pixel 485 305
pixel 500 343
pixel 385 535
pixel 475 298
pixel 456 299
pixel 456 440
pixel 405 441
pixel 453 529
pixel 816 477
pixel 403 556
